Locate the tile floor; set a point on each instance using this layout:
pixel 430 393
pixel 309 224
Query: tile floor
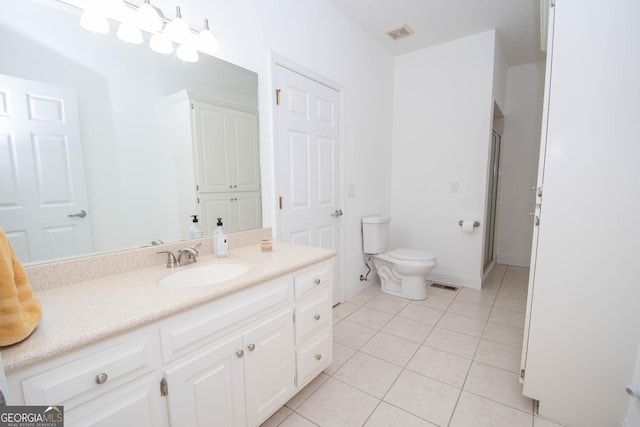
pixel 451 360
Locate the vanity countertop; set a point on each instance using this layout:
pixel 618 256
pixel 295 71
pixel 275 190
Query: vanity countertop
pixel 87 312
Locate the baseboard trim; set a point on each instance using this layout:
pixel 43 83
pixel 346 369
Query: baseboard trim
pixel 455 279
pixel 518 262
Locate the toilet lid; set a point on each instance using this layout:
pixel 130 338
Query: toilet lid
pixel 411 255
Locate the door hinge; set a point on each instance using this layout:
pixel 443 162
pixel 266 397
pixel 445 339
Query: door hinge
pixel 536 404
pixel 164 388
pixel 197 187
pixel 193 106
pixel 280 202
pixel 522 374
pixel 540 191
pixel 277 96
pixel 198 200
pixel 294 316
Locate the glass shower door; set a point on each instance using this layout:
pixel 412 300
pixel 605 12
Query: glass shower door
pixel 492 203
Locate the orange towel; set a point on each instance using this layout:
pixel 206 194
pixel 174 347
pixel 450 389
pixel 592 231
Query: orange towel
pixel 20 311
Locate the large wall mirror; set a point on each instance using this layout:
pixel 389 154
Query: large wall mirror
pixel 96 136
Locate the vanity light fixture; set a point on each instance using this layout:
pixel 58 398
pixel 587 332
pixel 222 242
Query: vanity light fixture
pixel 206 41
pixel 127 32
pixel 160 42
pixel 187 51
pixel 177 29
pixel 133 19
pixel 147 18
pixel 93 19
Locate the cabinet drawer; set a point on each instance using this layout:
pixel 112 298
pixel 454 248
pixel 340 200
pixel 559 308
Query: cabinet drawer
pixel 76 381
pixel 312 314
pixel 314 356
pixel 311 280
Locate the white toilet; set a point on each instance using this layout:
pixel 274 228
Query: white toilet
pixel 402 271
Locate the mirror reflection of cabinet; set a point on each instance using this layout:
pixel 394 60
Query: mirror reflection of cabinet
pixel 218 162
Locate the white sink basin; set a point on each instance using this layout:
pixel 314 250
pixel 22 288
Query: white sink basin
pixel 203 276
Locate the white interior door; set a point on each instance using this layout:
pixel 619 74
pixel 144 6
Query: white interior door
pixel 584 317
pixel 308 132
pixel 42 180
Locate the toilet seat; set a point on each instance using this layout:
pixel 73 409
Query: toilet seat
pixel 410 255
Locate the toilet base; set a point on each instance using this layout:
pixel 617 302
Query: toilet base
pixel 410 287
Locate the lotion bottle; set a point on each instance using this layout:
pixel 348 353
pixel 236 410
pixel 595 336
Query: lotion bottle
pixel 195 232
pixel 220 247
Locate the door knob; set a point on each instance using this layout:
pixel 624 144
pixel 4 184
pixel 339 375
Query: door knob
pixel 251 347
pixel 633 390
pixel 80 214
pixel 337 213
pixel 240 353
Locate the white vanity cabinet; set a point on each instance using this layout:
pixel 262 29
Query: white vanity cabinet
pixel 111 383
pixel 243 367
pixel 231 362
pixel 313 324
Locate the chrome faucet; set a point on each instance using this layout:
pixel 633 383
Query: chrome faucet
pixel 192 254
pixel 173 261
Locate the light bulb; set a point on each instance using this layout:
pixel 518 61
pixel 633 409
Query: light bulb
pixel 160 42
pixel 187 52
pixel 206 41
pixel 93 20
pixel 129 33
pixel 147 18
pixel 177 30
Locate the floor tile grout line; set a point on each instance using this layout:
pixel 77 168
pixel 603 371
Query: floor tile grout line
pixel 420 344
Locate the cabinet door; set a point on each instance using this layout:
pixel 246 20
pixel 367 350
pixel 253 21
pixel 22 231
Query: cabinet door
pixel 213 159
pixel 136 404
pixel 208 389
pixel 269 366
pixel 217 205
pixel 239 211
pixel 244 140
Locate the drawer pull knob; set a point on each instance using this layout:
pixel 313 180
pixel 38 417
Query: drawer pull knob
pixel 318 356
pixel 240 353
pixel 317 281
pixel 101 378
pixel 317 317
pixel 251 347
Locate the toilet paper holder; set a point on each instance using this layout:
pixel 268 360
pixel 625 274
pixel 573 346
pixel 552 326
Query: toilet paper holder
pixel 476 224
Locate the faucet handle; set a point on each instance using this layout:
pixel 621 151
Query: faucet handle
pixel 195 246
pixel 171 259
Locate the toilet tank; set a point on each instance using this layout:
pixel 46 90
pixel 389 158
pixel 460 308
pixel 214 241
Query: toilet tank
pixel 375 234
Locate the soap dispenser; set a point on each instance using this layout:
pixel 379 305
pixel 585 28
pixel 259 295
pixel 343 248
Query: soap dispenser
pixel 195 232
pixel 220 247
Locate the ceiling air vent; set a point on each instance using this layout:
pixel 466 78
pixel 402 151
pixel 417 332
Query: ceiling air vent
pixel 400 33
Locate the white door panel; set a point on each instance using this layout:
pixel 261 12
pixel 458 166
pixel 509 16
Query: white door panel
pixel 41 171
pixel 308 130
pixel 583 329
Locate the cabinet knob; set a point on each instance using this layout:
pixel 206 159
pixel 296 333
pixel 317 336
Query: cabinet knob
pixel 251 347
pixel 101 378
pixel 240 353
pixel 317 317
pixel 317 281
pixel 318 356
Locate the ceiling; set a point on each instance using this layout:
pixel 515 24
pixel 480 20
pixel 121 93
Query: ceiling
pixel 517 23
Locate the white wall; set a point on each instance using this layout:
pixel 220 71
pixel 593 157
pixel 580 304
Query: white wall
pixel 519 162
pixel 442 126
